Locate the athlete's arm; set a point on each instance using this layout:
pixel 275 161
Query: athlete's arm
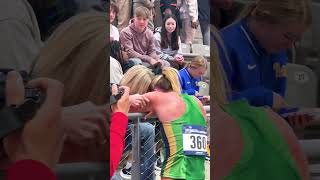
pixel 204 113
pixel 151 96
pixel 293 144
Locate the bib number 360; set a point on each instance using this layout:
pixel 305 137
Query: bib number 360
pixel 198 142
pixel 195 140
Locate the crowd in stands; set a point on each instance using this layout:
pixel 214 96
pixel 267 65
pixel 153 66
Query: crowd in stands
pixel 248 70
pixel 141 54
pixel 62 45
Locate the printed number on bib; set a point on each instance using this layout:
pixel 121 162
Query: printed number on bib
pixel 195 140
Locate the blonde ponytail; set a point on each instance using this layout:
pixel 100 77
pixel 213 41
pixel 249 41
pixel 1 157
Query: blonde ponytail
pixel 168 81
pixel 219 87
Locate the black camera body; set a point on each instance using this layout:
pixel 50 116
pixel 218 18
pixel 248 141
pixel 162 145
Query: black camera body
pixel 15 116
pixel 115 98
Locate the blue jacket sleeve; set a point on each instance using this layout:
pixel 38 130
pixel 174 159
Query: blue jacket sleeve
pixel 184 89
pixel 189 91
pixel 256 96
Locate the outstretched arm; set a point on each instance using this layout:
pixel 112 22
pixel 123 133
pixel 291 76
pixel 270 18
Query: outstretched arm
pixel 152 99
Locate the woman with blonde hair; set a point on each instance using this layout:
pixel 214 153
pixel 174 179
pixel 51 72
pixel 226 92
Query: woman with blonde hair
pixel 191 74
pixel 249 142
pixel 138 78
pixel 75 54
pixel 257 44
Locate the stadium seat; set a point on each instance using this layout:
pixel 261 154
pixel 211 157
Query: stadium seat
pixel 301 86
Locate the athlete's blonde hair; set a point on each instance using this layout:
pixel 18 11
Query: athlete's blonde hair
pixel 219 86
pixel 168 80
pixel 138 78
pixel 76 55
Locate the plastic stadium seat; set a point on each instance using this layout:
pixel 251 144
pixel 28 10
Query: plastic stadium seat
pixel 301 86
pixel 201 49
pixel 185 48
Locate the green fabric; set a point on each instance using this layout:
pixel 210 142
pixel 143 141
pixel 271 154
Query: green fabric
pixel 266 154
pixel 181 166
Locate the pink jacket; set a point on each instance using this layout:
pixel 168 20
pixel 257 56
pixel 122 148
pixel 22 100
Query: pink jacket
pixel 138 45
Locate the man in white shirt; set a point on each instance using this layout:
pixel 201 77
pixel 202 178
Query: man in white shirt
pixel 189 19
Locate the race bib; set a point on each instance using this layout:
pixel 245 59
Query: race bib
pixel 195 140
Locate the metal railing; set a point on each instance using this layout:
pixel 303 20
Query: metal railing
pixel 82 171
pixel 78 171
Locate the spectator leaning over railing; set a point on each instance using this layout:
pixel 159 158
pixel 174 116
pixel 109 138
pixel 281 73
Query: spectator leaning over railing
pixel 138 79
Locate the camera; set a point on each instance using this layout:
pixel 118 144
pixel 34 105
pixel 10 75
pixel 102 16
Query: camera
pixel 15 116
pixel 115 98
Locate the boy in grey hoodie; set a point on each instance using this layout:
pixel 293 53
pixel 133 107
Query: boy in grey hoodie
pixel 138 41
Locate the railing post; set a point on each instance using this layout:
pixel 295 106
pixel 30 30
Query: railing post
pixel 136 150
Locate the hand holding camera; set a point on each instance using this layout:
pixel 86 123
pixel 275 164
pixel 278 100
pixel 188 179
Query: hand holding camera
pixel 41 137
pixel 116 93
pixel 16 115
pixel 122 95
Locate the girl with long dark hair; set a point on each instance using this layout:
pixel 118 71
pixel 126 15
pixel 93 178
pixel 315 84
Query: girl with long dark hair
pixel 167 42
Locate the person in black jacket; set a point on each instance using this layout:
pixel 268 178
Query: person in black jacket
pixel 171 7
pixel 204 20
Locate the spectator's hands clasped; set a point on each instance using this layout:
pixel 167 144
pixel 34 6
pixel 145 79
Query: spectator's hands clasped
pixel 179 59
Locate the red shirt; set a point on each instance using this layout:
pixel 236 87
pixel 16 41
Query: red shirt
pixel 29 170
pixel 118 126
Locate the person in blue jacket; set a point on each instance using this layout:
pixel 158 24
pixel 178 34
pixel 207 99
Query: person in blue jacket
pixel 191 75
pixel 256 46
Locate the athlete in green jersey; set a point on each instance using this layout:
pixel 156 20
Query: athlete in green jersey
pixel 183 126
pixel 253 143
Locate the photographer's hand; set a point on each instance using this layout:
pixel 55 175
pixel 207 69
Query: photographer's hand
pixel 123 104
pixel 41 139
